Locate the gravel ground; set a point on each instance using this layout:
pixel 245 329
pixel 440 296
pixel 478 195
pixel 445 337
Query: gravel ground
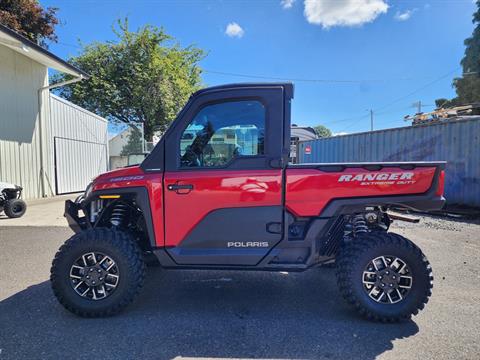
pixel 221 314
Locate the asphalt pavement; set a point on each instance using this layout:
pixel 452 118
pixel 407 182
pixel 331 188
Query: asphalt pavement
pixel 225 314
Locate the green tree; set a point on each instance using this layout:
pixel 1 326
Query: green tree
pixel 442 102
pixel 446 103
pixel 468 86
pixel 142 77
pixel 27 17
pixel 134 143
pixel 322 131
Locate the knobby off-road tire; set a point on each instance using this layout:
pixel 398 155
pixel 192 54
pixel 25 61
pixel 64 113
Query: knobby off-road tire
pixel 15 208
pixel 353 261
pixel 120 249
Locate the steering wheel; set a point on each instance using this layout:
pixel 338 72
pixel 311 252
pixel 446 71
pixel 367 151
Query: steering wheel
pixel 190 159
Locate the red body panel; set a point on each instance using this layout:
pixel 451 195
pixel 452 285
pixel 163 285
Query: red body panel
pixel 216 189
pixel 310 190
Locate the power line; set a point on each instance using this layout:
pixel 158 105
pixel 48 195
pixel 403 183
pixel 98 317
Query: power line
pixel 282 78
pixel 360 117
pixel 418 90
pixel 351 125
pixel 337 81
pixel 400 98
pixel 66 44
pixel 393 110
pixel 346 119
pixel 288 78
pixel 340 81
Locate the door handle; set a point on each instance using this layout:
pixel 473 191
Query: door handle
pixel 180 188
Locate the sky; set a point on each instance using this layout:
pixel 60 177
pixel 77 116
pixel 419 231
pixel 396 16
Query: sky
pixel 345 57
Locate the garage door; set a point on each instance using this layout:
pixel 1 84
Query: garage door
pixel 76 163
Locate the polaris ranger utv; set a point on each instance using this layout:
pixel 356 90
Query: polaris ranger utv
pixel 217 192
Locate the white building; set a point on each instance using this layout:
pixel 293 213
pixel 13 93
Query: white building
pixel 115 147
pixel 119 141
pixel 47 145
pixel 116 143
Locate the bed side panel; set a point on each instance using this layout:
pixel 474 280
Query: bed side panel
pixel 310 190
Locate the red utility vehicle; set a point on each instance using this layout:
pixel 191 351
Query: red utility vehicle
pixel 217 192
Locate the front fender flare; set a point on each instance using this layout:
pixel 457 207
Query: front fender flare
pixel 140 195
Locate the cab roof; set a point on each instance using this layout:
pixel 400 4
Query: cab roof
pixel 288 87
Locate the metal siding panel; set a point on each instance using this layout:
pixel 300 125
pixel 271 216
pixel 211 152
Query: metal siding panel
pixel 457 142
pixel 20 78
pixel 77 163
pixel 81 144
pixel 71 121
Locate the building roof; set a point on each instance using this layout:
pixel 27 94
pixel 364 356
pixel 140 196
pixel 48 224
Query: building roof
pixel 125 131
pixel 303 132
pixel 24 46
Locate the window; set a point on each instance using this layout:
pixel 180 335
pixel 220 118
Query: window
pixel 221 132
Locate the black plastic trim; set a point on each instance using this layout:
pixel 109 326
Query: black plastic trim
pixel 238 225
pixel 338 167
pixel 141 198
pixel 75 223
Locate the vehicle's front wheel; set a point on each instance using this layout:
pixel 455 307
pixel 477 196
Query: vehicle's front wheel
pixel 97 272
pixel 384 276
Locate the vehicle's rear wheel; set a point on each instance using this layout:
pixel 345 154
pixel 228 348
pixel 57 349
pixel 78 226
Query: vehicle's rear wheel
pixel 384 276
pixel 15 208
pixel 97 272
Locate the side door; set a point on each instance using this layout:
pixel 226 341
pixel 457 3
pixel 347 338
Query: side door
pixel 223 178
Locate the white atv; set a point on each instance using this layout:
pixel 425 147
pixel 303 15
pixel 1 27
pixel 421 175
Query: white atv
pixel 10 201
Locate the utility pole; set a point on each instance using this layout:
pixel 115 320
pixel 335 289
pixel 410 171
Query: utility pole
pixel 418 104
pixel 141 128
pixel 371 119
pixel 143 137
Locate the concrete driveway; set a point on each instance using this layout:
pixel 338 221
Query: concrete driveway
pixel 221 314
pixel 41 212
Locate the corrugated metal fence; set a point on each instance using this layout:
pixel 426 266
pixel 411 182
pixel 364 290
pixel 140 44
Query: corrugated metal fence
pixel 457 142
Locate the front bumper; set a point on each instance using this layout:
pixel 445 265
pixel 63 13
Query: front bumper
pixel 75 222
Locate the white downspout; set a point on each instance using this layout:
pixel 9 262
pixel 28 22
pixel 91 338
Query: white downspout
pixel 40 126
